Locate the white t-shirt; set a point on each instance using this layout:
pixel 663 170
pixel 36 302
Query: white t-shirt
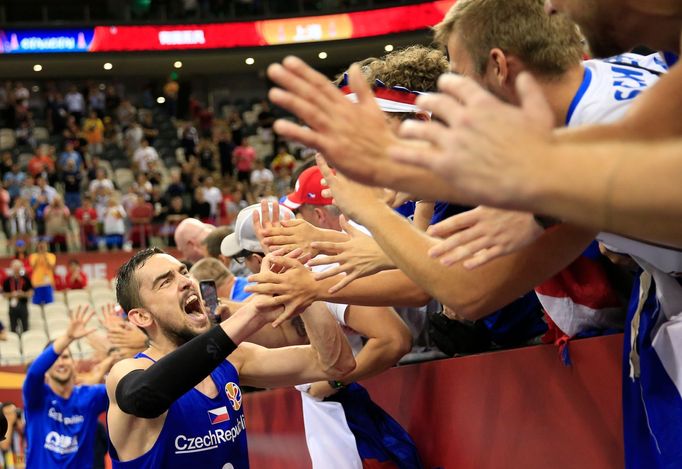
pixel 114 225
pixel 74 102
pixel 261 176
pixel 143 156
pixel 214 197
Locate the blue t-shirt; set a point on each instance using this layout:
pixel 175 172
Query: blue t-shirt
pixel 60 432
pixel 238 293
pixel 199 431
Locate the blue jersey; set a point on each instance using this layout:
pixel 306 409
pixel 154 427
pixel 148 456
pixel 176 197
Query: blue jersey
pixel 238 293
pixel 60 432
pixel 200 431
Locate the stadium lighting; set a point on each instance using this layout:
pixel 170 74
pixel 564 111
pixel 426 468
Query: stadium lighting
pixel 37 67
pixel 108 66
pixel 322 55
pixel 250 61
pixel 160 100
pixel 177 64
pixel 388 47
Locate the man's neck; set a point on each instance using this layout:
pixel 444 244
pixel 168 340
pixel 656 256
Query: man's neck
pixel 61 389
pixel 560 92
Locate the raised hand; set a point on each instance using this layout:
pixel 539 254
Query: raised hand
pixel 484 148
pixel 79 322
pixel 358 257
pixel 483 234
pixel 295 288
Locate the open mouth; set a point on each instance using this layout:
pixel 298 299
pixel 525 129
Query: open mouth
pixel 193 306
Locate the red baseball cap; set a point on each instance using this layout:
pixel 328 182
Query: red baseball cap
pixel 308 190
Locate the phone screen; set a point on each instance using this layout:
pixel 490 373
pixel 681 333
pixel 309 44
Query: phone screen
pixel 209 294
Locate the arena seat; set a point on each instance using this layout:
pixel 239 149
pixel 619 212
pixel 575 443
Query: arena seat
pixel 56 310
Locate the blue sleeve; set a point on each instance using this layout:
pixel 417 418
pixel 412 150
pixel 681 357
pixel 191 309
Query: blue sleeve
pixel 34 384
pixel 100 400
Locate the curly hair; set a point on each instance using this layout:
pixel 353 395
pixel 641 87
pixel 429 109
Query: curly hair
pixel 417 68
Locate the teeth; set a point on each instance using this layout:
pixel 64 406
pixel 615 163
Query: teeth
pixel 190 299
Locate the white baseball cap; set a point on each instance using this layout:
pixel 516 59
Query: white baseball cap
pixel 244 236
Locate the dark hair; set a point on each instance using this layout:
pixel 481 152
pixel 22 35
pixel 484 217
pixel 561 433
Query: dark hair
pixel 308 163
pixel 127 287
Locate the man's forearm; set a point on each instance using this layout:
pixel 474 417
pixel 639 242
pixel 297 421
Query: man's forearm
pixel 388 288
pixel 473 293
pixel 327 338
pixel 631 189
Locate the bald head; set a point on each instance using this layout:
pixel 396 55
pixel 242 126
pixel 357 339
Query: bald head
pixel 189 238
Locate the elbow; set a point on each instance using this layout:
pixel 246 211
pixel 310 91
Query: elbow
pixel 471 309
pixel 343 366
pixel 398 345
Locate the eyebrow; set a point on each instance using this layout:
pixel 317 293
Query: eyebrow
pixel 161 278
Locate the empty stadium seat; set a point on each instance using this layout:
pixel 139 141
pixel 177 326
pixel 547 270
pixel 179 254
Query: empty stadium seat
pixel 33 338
pixel 56 309
pixel 98 283
pixel 10 353
pixel 77 296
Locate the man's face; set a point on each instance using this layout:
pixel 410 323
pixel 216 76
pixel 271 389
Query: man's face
pixel 253 263
pixel 599 22
pixel 63 369
pixel 463 64
pixel 172 298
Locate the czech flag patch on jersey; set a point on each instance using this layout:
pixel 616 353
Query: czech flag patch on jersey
pixel 218 415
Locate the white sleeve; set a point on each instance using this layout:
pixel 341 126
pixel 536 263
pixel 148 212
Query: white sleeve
pixel 338 311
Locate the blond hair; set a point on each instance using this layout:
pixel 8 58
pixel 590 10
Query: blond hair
pixel 546 44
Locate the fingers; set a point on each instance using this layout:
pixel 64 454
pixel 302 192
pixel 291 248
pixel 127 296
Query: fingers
pixel 293 131
pixel 289 224
pixel 324 87
pixel 414 155
pixel 267 289
pixel 348 228
pixel 265 213
pixel 358 84
pixel 483 257
pixel 333 271
pixel 442 106
pixel 277 241
pixel 453 224
pixel 324 248
pixel 265 277
pixel 288 313
pixel 300 81
pixel 461 88
pixel 301 107
pixel 466 250
pixel 344 281
pixel 326 171
pixel 431 132
pixel 275 212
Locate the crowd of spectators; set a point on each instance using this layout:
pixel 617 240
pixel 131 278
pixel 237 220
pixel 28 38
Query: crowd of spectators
pixel 91 168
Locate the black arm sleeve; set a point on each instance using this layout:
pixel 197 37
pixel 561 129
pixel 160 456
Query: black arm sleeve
pixel 149 393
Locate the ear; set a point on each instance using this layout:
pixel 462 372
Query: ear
pixel 140 317
pixel 498 60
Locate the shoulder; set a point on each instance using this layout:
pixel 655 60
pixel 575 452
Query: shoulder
pixel 121 369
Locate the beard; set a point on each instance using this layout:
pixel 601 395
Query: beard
pixel 59 380
pixel 179 335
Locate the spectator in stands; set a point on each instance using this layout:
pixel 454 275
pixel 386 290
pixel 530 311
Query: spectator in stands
pixel 100 183
pixel 6 162
pixel 175 187
pixel 21 221
pixel 225 148
pixel 112 100
pixel 57 224
pixel 70 154
pixel 170 92
pixel 17 288
pixel 72 133
pixel 261 177
pixel 86 215
pixel 13 448
pixel 41 162
pixel 112 132
pixel 142 186
pixel 189 139
pixel 56 113
pixel 13 180
pixel 44 189
pixel 140 217
pixel 172 216
pixel 75 278
pixel 97 100
pixel 206 152
pixel 244 156
pixel 201 208
pixel 42 264
pixel 227 285
pixel 144 156
pixel 213 196
pixel 3 332
pixel 189 238
pixel 75 103
pixel 21 253
pixel 51 396
pixel 72 178
pixel 283 160
pixel 93 130
pixel 133 137
pixel 236 126
pixel 5 201
pixel 114 224
pixel 126 114
pixel 149 130
pixel 21 94
pixel 205 118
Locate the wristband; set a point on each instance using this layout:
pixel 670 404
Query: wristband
pixel 336 384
